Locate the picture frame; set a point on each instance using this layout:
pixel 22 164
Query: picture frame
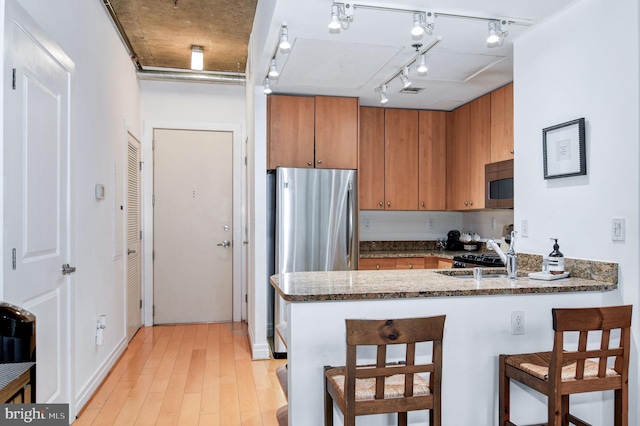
pixel 564 149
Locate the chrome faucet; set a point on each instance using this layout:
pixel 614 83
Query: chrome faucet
pixel 510 259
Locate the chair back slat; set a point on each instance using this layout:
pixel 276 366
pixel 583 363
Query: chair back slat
pixel 604 346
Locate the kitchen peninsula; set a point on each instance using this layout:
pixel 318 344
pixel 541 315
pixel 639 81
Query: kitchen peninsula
pixel 477 328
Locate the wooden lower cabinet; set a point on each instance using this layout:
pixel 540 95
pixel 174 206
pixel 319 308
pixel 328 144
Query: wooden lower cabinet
pixel 428 262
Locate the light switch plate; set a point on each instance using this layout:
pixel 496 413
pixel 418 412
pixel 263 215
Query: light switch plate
pixel 617 229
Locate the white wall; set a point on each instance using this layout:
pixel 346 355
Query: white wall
pixel 571 67
pixel 104 105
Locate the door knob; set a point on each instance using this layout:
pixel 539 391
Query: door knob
pixel 67 269
pixel 129 251
pixel 225 244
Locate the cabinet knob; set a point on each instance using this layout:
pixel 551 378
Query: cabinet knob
pixel 466 203
pixel 470 203
pixel 319 161
pixel 309 163
pixel 377 266
pixel 410 266
pixel 389 203
pixel 381 204
pixel 511 151
pixel 422 204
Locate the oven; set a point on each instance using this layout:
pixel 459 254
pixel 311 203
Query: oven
pixel 471 260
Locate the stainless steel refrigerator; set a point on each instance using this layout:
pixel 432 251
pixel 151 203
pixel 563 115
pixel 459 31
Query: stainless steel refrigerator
pixel 314 227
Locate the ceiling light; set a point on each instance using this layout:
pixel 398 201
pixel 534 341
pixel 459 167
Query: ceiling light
pixel 383 94
pixel 273 71
pixel 417 29
pixel 267 87
pixel 197 58
pixel 284 45
pixel 335 19
pixel 404 77
pixel 422 65
pixel 493 33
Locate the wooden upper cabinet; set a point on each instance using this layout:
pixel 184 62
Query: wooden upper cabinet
pixel 432 167
pixel 336 132
pixel 502 124
pixel 479 149
pixel 371 163
pixel 458 158
pixel 290 131
pixel 401 159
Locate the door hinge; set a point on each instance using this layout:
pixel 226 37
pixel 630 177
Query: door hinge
pixel 245 160
pixel 13 258
pixel 140 234
pixel 13 79
pixel 153 311
pixel 141 166
pixel 246 298
pixel 153 255
pixel 153 200
pixel 153 144
pixel 140 303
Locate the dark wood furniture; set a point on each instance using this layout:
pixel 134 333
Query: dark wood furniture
pixel 565 371
pixel 391 385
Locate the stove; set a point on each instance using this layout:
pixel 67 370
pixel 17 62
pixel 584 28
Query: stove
pixel 469 260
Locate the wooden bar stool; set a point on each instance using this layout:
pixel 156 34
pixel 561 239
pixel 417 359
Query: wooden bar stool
pixel 388 386
pixel 561 372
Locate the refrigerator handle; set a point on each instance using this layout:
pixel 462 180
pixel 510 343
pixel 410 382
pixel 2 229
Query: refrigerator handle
pixel 349 224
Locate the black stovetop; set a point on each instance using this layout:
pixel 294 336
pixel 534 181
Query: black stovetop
pixel 479 259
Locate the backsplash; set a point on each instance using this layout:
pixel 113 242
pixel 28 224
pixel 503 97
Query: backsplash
pixel 579 268
pixel 374 246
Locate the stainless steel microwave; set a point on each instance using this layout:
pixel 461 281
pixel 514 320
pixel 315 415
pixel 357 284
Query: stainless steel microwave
pixel 499 185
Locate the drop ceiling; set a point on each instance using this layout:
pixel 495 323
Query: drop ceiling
pixel 352 62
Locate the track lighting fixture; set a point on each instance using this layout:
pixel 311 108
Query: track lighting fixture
pixel 498 30
pixel 383 94
pixel 422 22
pixel 404 77
pixel 197 58
pixel 267 87
pixel 422 65
pixel 284 45
pixel 273 70
pixel 341 16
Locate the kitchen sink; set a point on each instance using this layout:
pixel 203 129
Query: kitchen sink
pixel 470 276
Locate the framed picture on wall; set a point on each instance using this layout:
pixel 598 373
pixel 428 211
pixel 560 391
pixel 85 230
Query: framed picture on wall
pixel 564 150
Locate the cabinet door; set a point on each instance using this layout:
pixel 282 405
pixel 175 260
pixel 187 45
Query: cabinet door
pixel 371 164
pixel 410 263
pixel 336 132
pixel 290 131
pixel 432 167
pixel 458 159
pixel 401 159
pixel 502 124
pixel 376 264
pixel 479 149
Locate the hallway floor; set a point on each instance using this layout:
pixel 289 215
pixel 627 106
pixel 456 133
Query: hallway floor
pixel 196 374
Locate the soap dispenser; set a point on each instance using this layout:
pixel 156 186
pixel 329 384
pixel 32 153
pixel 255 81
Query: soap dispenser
pixel 556 259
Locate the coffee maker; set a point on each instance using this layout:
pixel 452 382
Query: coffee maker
pixel 453 241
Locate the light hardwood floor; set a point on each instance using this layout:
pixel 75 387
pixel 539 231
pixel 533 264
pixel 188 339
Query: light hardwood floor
pixel 200 374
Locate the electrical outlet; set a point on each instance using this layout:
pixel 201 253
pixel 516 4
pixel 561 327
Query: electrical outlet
pixel 617 229
pixel 431 223
pixel 493 224
pixel 525 228
pixel 517 322
pixel 367 224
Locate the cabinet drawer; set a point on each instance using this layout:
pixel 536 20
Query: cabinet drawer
pixel 375 264
pixel 410 263
pixel 445 263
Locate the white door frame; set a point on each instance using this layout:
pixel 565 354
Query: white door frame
pixel 147 201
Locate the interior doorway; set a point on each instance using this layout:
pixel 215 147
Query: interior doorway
pixel 193 226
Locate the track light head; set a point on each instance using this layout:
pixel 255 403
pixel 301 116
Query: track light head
pixel 267 87
pixel 335 24
pixel 418 28
pixel 383 94
pixel 422 65
pixel 284 45
pixel 273 70
pixel 404 77
pixel 498 30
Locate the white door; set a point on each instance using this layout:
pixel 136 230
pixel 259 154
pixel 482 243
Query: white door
pixel 37 196
pixel 192 218
pixel 134 275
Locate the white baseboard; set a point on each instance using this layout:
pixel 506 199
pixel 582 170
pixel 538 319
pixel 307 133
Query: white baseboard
pixel 258 350
pixel 90 388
